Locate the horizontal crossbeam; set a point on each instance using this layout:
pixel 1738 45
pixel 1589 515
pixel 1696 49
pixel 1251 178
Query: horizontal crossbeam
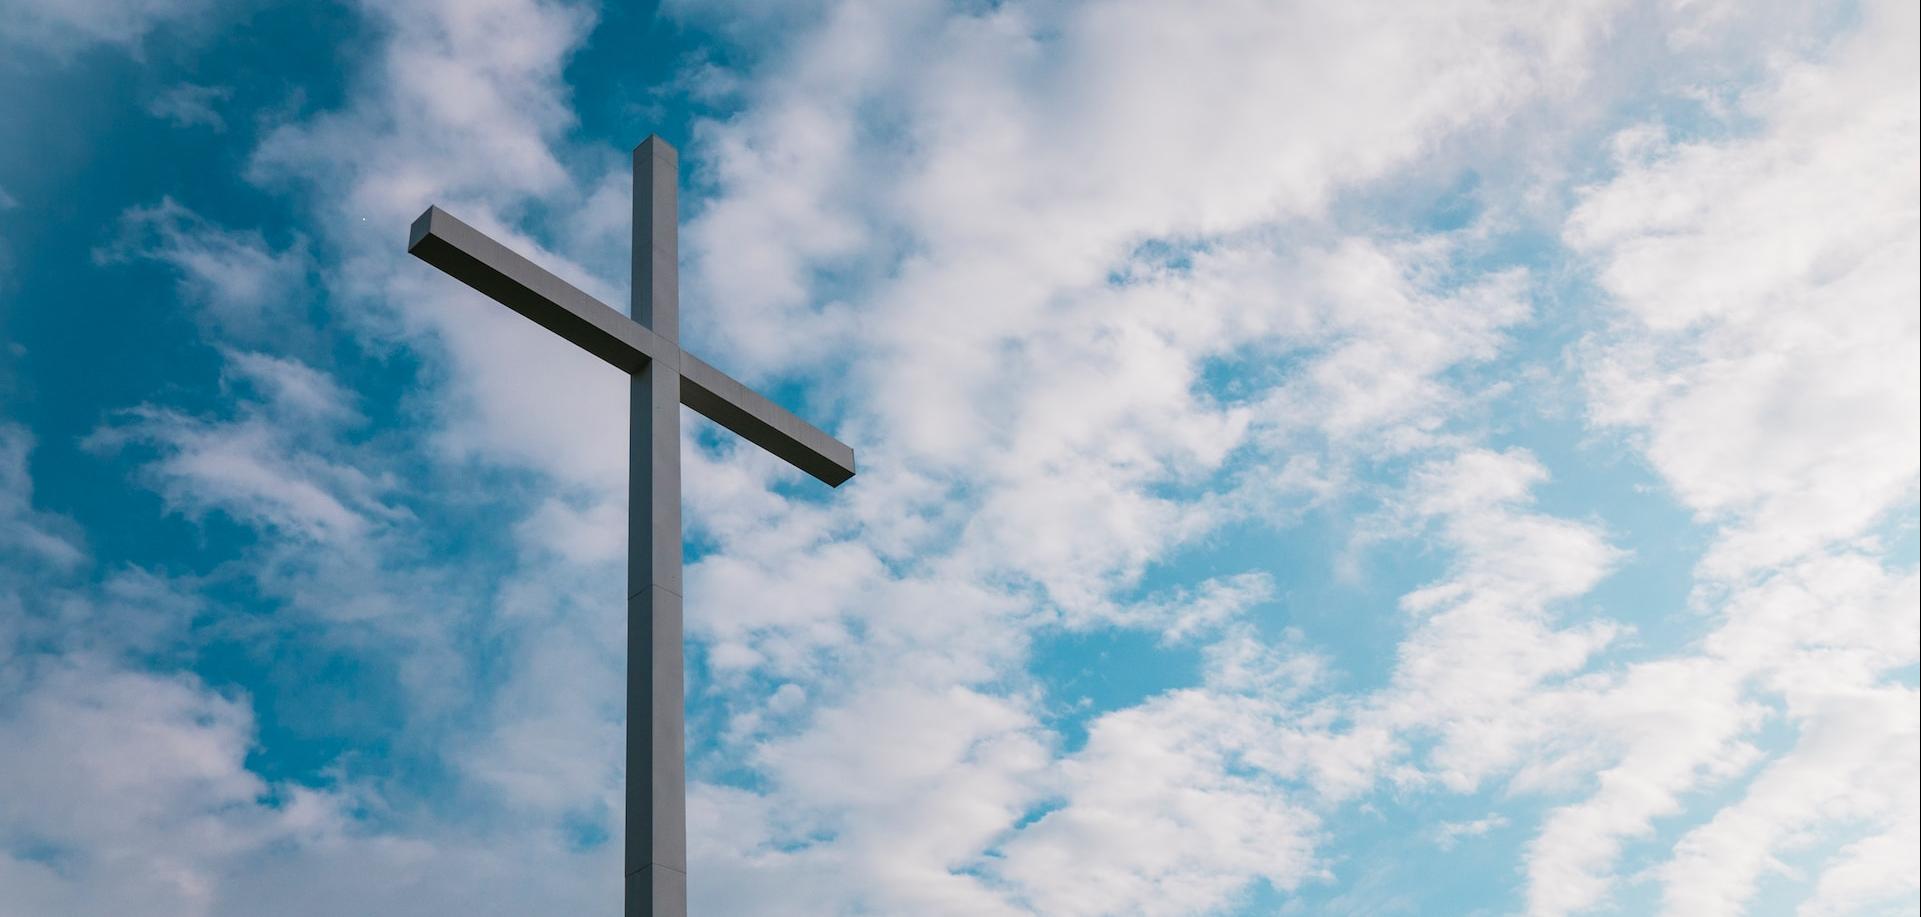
pixel 523 286
pixel 527 288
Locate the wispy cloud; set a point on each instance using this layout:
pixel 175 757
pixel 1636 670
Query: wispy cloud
pixel 63 27
pixel 241 286
pixel 1448 834
pixel 1766 349
pixel 261 467
pixel 192 105
pixel 40 536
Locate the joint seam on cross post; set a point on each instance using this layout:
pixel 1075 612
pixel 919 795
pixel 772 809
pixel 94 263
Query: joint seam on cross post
pixel 636 593
pixel 640 869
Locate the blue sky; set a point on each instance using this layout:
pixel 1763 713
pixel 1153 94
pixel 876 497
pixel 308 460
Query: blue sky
pixel 1372 459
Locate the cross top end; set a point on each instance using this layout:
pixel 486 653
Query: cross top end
pixel 655 146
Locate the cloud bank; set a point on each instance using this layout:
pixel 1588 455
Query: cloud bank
pixel 1100 292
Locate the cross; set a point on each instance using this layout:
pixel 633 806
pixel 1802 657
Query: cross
pixel 663 377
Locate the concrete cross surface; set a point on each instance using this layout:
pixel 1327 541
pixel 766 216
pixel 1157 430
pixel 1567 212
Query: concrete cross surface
pixel 664 377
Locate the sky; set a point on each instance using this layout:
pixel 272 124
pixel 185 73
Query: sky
pixel 1364 458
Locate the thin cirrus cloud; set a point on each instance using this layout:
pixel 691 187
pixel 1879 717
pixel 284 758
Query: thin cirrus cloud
pixel 235 280
pixel 64 28
pixel 190 104
pixel 1090 326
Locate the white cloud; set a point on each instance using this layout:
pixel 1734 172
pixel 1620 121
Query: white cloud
pixel 128 792
pixel 1878 869
pixel 1162 816
pixel 1766 361
pixel 466 104
pixel 1641 742
pixel 1813 646
pixel 1486 653
pixel 297 392
pixel 1047 142
pixel 464 107
pixel 244 469
pixel 1854 763
pixel 1769 348
pixel 884 800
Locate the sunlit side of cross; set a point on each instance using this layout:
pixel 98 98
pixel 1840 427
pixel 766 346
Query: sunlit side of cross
pixel 664 377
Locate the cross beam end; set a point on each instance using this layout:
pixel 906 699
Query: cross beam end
pixel 468 255
pixel 727 402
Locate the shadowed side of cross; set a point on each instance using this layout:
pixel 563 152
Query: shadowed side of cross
pixel 664 377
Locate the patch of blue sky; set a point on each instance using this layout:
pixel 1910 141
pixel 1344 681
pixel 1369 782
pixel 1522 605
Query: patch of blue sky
pixel 1246 373
pixel 113 337
pixel 797 843
pixel 328 708
pixel 1087 673
pixel 1597 481
pixel 59 858
pixel 1332 598
pixel 1352 621
pixel 1337 592
pixel 320 711
pixel 586 830
pixel 1900 538
pixel 1393 855
pixel 707 723
pixel 1457 207
pixel 628 76
pixel 713 701
pixel 1154 258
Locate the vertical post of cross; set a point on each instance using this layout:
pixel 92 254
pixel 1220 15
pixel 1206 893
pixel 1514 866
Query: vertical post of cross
pixel 656 763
